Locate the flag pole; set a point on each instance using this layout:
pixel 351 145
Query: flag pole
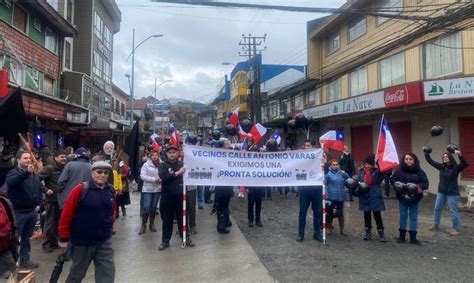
pixel 183 245
pixel 378 140
pixel 323 199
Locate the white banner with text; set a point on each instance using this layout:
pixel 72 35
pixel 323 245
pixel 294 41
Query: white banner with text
pixel 221 167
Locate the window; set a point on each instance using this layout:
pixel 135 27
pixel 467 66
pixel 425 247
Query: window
pixel 69 11
pixel 442 56
pixel 97 67
pixel 311 98
pixel 357 29
pixel 106 102
pixel 51 42
pixel 17 72
pixel 67 55
pixel 37 24
pixel 394 7
pixel 358 81
pixel 98 26
pixel 392 70
pixel 86 95
pixel 117 106
pixel 122 109
pixel 317 94
pixel 107 72
pixel 20 18
pixel 48 86
pixel 54 4
pixel 299 102
pixel 333 44
pixel 334 90
pixel 107 38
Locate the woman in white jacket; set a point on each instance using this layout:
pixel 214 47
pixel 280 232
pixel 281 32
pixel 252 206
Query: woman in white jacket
pixel 151 190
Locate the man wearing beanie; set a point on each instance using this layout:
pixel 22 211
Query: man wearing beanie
pixel 86 221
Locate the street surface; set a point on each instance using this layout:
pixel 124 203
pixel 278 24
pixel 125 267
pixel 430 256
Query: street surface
pixel 271 253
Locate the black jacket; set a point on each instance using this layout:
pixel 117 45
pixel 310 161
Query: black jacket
pixel 24 192
pixel 50 175
pixel 346 164
pixel 171 185
pixel 412 174
pixel 448 175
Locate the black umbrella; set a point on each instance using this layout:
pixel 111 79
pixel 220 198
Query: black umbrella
pixel 131 148
pixel 57 269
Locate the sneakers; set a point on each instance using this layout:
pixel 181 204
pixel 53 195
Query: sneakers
pixel 299 238
pixel 28 264
pixel 163 246
pixel 454 232
pixel 433 227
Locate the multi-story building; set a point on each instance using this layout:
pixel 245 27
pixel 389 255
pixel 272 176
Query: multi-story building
pixel 418 70
pixel 221 103
pixel 32 37
pixel 89 60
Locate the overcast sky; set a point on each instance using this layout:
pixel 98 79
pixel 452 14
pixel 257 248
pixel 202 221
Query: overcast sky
pixel 198 39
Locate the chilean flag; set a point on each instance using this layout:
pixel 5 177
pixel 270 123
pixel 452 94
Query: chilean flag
pixel 386 151
pixel 257 132
pixel 173 135
pixel 154 145
pixel 332 139
pixel 242 134
pixel 233 117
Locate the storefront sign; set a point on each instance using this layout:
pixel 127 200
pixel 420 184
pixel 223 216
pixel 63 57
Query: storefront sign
pixel 397 96
pixel 220 167
pixel 449 89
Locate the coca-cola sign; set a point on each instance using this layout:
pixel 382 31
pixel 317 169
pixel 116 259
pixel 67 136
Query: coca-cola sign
pixel 402 95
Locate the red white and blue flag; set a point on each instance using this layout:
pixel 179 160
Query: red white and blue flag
pixel 386 151
pixel 233 117
pixel 332 139
pixel 153 142
pixel 257 132
pixel 173 135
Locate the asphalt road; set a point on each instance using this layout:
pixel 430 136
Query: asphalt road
pixel 440 258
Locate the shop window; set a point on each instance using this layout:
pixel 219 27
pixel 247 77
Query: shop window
pixel 358 81
pixel 51 42
pixel 392 6
pixel 392 70
pixel 334 90
pixel 20 18
pixel 333 44
pixel 356 29
pixel 67 55
pixel 442 56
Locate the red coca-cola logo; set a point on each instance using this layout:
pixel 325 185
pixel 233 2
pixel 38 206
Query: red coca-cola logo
pixel 395 97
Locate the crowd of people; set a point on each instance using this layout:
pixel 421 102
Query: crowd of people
pixel 79 195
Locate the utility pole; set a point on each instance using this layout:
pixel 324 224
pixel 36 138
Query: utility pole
pixel 251 46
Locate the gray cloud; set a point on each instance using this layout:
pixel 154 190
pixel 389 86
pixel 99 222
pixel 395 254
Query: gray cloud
pixel 198 39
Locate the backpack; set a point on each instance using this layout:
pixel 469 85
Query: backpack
pixel 7 224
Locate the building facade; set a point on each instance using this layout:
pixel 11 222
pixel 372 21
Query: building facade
pixel 33 35
pixel 418 74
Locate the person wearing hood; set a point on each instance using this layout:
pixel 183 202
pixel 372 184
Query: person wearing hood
pixel 409 172
pixel 371 200
pixel 346 163
pixel 151 190
pixel 334 181
pixel 448 188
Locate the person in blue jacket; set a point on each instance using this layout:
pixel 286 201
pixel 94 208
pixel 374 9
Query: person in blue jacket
pixel 371 200
pixel 334 181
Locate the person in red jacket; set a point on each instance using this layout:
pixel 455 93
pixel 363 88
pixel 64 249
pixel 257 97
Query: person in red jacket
pixel 86 222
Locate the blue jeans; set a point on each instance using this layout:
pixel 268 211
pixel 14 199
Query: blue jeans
pixel 453 204
pixel 313 196
pixel 200 196
pixel 404 207
pixel 150 202
pixel 25 224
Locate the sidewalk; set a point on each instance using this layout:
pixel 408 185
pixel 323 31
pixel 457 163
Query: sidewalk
pixel 215 258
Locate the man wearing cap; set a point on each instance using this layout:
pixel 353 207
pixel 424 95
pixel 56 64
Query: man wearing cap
pixel 86 222
pixel 171 174
pixel 75 172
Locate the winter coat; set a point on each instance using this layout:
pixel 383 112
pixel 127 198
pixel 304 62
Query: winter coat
pixel 50 175
pixel 346 164
pixel 148 174
pixel 334 181
pixel 224 191
pixel 172 185
pixel 74 172
pixel 24 191
pixel 372 200
pixel 413 174
pixel 448 175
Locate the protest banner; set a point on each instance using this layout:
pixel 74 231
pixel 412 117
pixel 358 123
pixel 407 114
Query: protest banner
pixel 221 167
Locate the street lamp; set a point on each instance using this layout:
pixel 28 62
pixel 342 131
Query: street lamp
pixel 228 64
pixel 162 110
pixel 132 92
